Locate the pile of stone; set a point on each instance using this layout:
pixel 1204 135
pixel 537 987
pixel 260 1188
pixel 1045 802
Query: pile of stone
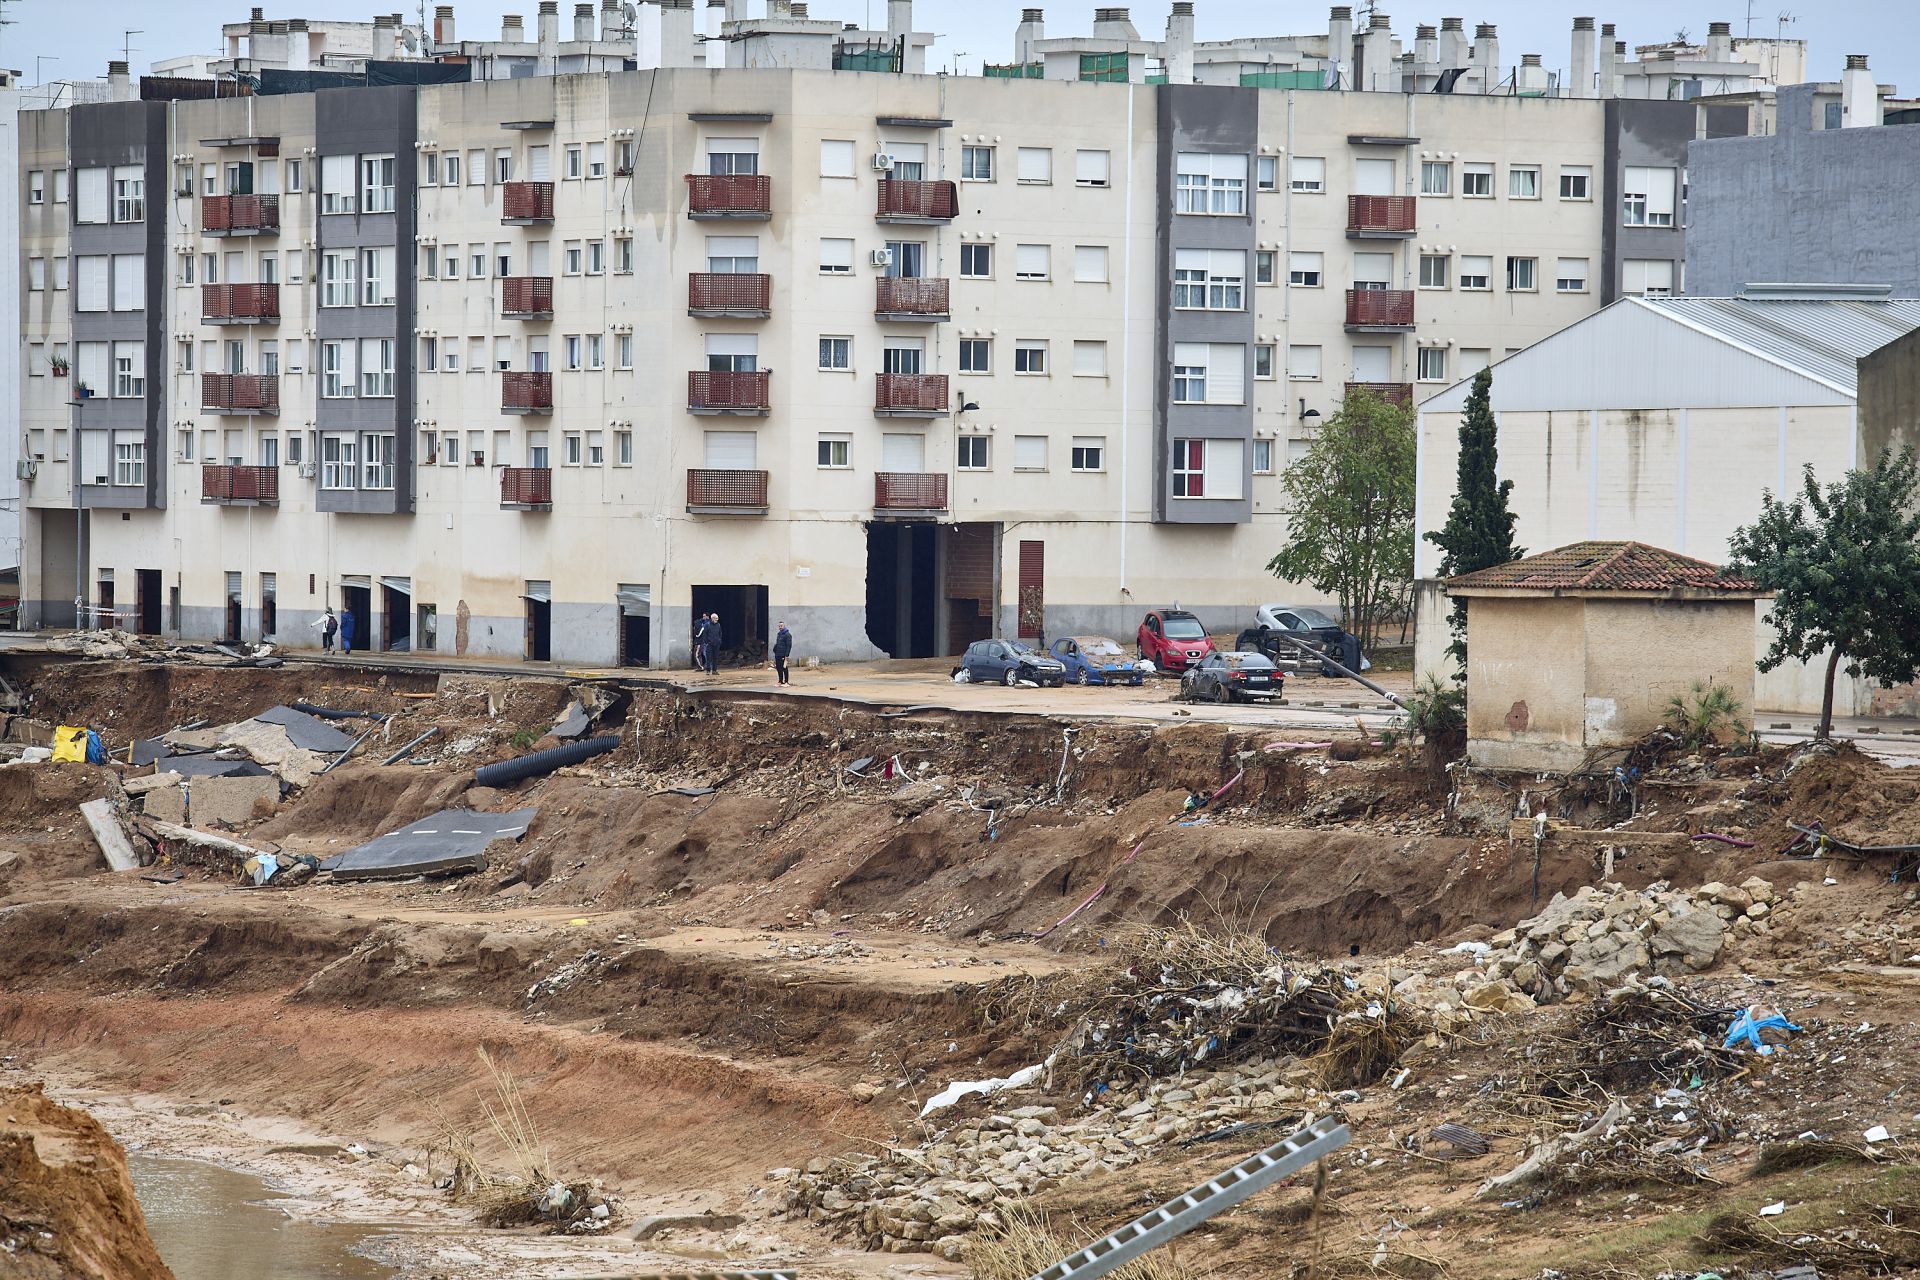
pixel 1603 937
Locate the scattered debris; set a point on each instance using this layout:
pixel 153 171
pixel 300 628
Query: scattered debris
pixel 452 840
pixel 967 1088
pixel 103 819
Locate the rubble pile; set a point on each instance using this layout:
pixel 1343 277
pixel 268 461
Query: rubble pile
pixel 1602 937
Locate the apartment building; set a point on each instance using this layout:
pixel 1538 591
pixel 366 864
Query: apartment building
pixel 542 366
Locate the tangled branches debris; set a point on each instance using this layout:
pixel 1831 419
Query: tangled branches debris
pixel 527 1192
pixel 1634 1037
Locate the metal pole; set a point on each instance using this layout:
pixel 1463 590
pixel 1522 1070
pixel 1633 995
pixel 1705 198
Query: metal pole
pixel 342 757
pixel 409 747
pixel 1307 650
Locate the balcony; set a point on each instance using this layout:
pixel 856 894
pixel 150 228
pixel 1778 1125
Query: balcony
pixel 526 488
pixel 239 303
pixel 523 204
pixel 744 297
pixel 726 493
pixel 919 202
pixel 240 486
pixel 1382 217
pixel 240 394
pixel 744 196
pixel 917 299
pixel 910 492
pixel 1400 393
pixel 728 393
pixel 527 297
pixel 910 395
pixel 526 392
pixel 240 216
pixel 1379 310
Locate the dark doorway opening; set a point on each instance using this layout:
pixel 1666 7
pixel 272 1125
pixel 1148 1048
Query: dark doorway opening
pixel 396 617
pixel 236 613
pixel 269 606
pixel 903 589
pixel 357 602
pixel 146 587
pixel 636 637
pixel 103 608
pixel 743 620
pixel 539 598
pixel 971 552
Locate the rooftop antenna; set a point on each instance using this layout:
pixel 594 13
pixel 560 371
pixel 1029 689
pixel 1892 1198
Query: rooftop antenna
pixel 39 58
pixel 126 46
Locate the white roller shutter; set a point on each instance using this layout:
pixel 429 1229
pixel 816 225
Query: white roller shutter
pixel 129 282
pixel 731 450
pixel 1226 373
pixel 1090 168
pixel 1373 364
pixel 1373 268
pixel 90 366
pixel 902 452
pixel 539 164
pixel 1660 195
pixel 92 290
pixel 90 195
pixel 732 344
pixel 1373 177
pixel 1225 469
pixel 95 468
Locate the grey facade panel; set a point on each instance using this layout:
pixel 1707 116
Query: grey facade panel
pixel 1644 134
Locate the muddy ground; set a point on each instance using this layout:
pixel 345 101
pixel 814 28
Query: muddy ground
pixel 693 990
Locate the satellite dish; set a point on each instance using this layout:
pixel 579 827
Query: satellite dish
pixel 632 16
pixel 411 40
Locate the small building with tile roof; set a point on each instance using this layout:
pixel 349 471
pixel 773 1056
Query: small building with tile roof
pixel 1574 655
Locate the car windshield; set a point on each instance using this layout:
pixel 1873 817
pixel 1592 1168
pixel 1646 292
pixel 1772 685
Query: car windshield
pixel 1097 646
pixel 1248 661
pixel 1183 629
pixel 1021 647
pixel 1309 617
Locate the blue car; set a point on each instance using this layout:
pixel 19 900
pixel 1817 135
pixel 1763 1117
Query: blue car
pixel 1095 660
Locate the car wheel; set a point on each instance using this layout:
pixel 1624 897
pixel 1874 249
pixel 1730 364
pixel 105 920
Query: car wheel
pixel 1222 694
pixel 1080 676
pixel 1011 678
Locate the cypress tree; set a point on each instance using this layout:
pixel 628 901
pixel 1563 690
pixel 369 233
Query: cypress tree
pixel 1479 529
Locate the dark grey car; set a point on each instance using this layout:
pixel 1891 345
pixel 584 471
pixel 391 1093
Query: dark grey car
pixel 1009 662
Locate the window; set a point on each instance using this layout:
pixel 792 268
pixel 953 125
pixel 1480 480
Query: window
pixel 1474 359
pixel 573 258
pixel 59 186
pixel 1092 168
pixel 976 164
pixel 129 193
pixel 1304 269
pixel 596 160
pixel 623 448
pixel 450 176
pixel 429 168
pixel 1436 178
pixel 36 274
pixel 450 263
pixel 1089 359
pixel 1647 197
pixel 1476 182
pixel 1476 271
pixel 129 458
pixel 430 262
pixel 836 158
pixel 1266 173
pixel 727 156
pixel 336 370
pixel 1307 174
pixel 1266 266
pixel 92 203
pixel 186 268
pixel 182 354
pixel 1209 279
pixel 376 460
pixel 294 264
pixel 476 168
pixel 976 261
pixel 1430 364
pixel 733 255
pixel 1647 277
pixel 834 451
pixel 1522 275
pixel 570 353
pixel 623 256
pixel 1208 469
pixel 37 186
pixel 129 370
pixel 1032 261
pixel 376 367
pixel 1576 183
pixel 477 261
pixel 1434 270
pixel 573 163
pixel 1210 184
pixel 836 353
pixel 93 365
pixel 623 351
pixel 1263 361
pixel 209 179
pixel 1189 468
pixel 376 277
pixel 1089 453
pixel 1523 182
pixel 336 184
pixel 570 452
pixel 971 453
pixel 734 353
pixel 296 177
pixel 1263 457
pixel 503 165
pixel 596 351
pixel 1030 356
pixel 836 257
pixel 502 260
pixel 902 355
pixel 336 279
pixel 976 355
pixel 1029 453
pixel 1303 364
pixel 624 152
pixel 1209 373
pixel 377 185
pixel 1570 276
pixel 1090 264
pixel 1035 165
pixel 270 355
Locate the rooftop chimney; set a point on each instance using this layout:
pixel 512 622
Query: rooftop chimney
pixel 612 25
pixel 1340 43
pixel 1486 56
pixel 1583 65
pixel 583 22
pixel 676 33
pixel 1032 28
pixel 1453 44
pixel 899 18
pixel 1113 24
pixel 443 37
pixel 1374 66
pixel 549 22
pixel 1179 59
pixel 1608 64
pixel 1719 42
pixel 512 30
pixel 1859 96
pixel 299 45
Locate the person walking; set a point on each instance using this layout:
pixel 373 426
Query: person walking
pixel 346 631
pixel 782 650
pixel 329 626
pixel 714 641
pixel 701 630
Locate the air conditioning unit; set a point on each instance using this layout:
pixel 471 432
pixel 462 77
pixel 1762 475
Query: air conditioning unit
pixel 306 470
pixel 27 468
pixel 883 162
pixel 881 257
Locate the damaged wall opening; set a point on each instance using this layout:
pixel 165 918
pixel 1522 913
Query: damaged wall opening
pixel 636 639
pixel 930 587
pixel 743 618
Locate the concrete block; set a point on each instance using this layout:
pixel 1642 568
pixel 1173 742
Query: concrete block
pixel 231 800
pixel 168 803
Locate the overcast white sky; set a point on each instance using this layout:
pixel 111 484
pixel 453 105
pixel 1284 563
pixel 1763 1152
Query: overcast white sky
pixel 79 36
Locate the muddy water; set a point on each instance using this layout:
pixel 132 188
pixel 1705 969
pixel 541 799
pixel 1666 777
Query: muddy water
pixel 210 1224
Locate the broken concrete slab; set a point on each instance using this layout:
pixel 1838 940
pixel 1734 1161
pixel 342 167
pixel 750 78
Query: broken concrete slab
pixel 237 850
pixel 10 862
pixel 104 821
pixel 152 782
pixel 273 746
pixel 210 767
pixel 309 733
pixel 453 840
pixel 651 1225
pixel 231 801
pixel 166 804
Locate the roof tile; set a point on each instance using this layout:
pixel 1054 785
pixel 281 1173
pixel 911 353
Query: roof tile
pixel 1605 566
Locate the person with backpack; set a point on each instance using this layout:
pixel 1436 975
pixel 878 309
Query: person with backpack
pixel 329 626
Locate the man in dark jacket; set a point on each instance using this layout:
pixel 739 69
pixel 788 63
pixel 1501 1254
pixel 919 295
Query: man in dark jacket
pixel 782 650
pixel 700 631
pixel 714 641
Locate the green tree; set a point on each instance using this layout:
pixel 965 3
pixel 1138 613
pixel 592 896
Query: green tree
pixel 1843 564
pixel 1478 533
pixel 1349 506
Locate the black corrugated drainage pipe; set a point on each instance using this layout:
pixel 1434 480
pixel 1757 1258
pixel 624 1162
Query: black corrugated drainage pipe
pixel 541 762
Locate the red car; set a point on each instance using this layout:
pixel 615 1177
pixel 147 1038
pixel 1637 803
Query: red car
pixel 1173 640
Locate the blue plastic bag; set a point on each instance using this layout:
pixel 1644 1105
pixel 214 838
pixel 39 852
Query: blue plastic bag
pixel 96 749
pixel 1745 1031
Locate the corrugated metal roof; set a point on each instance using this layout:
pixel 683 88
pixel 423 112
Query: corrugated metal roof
pixel 1820 337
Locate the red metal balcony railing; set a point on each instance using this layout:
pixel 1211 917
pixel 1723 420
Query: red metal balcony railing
pixel 732 195
pixel 1400 393
pixel 1379 309
pixel 917 201
pixel 722 294
pixel 910 393
pixel 1383 215
pixel 733 490
pixel 526 296
pixel 923 296
pixel 526 487
pixel 909 491
pixel 239 303
pixel 228 215
pixel 240 484
pixel 727 392
pixel 522 203
pixel 240 392
pixel 526 392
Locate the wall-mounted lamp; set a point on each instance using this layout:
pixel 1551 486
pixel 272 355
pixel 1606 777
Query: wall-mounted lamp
pixel 1306 414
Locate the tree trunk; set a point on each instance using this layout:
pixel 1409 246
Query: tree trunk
pixel 1826 701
